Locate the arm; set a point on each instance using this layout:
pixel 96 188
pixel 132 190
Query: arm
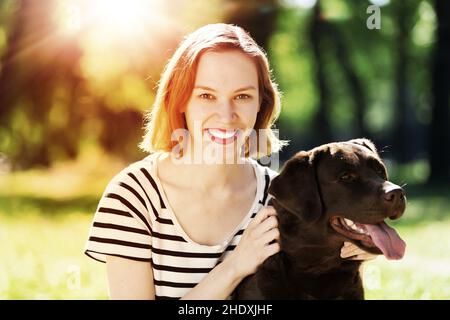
pixel 133 280
pixel 129 279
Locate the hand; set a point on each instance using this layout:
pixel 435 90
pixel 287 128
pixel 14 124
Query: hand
pixel 254 247
pixel 351 251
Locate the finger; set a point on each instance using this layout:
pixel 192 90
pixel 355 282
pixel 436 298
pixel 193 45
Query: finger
pixel 270 236
pixel 349 246
pixel 272 249
pixel 351 250
pixel 268 224
pixel 348 252
pixel 278 236
pixel 345 254
pixel 363 257
pixel 263 213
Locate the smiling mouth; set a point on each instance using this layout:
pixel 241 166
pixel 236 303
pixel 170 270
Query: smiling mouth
pixel 222 136
pixel 377 238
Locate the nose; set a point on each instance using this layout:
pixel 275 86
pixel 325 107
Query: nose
pixel 226 112
pixel 394 196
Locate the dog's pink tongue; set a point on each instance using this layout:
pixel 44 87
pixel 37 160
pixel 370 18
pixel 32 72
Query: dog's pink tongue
pixel 387 240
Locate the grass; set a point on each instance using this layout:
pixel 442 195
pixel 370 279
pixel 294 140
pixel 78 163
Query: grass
pixel 45 218
pixel 44 222
pixel 41 258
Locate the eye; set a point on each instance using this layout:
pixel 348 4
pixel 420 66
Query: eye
pixel 243 96
pixel 347 176
pixel 380 172
pixel 206 96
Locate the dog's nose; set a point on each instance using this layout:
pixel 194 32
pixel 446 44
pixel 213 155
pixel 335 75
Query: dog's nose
pixel 394 195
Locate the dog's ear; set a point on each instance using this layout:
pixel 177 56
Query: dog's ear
pixel 296 187
pixel 365 143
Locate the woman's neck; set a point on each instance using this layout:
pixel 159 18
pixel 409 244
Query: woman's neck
pixel 210 178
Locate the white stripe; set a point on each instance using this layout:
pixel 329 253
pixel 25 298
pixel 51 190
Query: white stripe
pixel 178 277
pixel 171 292
pixel 184 246
pixel 166 228
pixel 183 262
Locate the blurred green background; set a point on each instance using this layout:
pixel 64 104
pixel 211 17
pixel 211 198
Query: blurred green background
pixel 76 77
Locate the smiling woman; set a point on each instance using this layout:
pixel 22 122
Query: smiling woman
pixel 171 229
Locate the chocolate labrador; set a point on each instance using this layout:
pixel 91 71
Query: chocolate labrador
pixel 333 193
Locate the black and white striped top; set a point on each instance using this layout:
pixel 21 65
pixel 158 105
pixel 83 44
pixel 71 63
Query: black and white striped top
pixel 134 220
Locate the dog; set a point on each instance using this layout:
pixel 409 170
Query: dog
pixel 333 193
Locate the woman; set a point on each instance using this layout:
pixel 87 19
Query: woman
pixel 189 221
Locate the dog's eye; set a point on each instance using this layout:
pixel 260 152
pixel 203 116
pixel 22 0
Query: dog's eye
pixel 381 173
pixel 346 176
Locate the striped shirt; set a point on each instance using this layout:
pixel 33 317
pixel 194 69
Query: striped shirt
pixel 134 220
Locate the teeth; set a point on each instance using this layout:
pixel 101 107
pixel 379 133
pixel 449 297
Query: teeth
pixel 352 225
pixel 361 230
pixel 222 134
pixel 349 222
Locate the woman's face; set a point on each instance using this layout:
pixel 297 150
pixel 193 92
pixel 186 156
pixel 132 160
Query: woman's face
pixel 224 104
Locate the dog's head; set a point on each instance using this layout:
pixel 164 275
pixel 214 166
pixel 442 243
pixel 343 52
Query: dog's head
pixel 343 186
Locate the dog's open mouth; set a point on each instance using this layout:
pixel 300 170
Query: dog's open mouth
pixel 378 238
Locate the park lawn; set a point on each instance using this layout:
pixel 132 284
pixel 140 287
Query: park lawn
pixel 44 222
pixel 42 258
pixel 44 226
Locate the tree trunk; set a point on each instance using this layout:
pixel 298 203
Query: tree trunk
pixel 404 120
pixel 10 85
pixel 440 123
pixel 354 82
pixel 321 124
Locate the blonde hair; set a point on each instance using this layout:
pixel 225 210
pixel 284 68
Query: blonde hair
pixel 178 79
